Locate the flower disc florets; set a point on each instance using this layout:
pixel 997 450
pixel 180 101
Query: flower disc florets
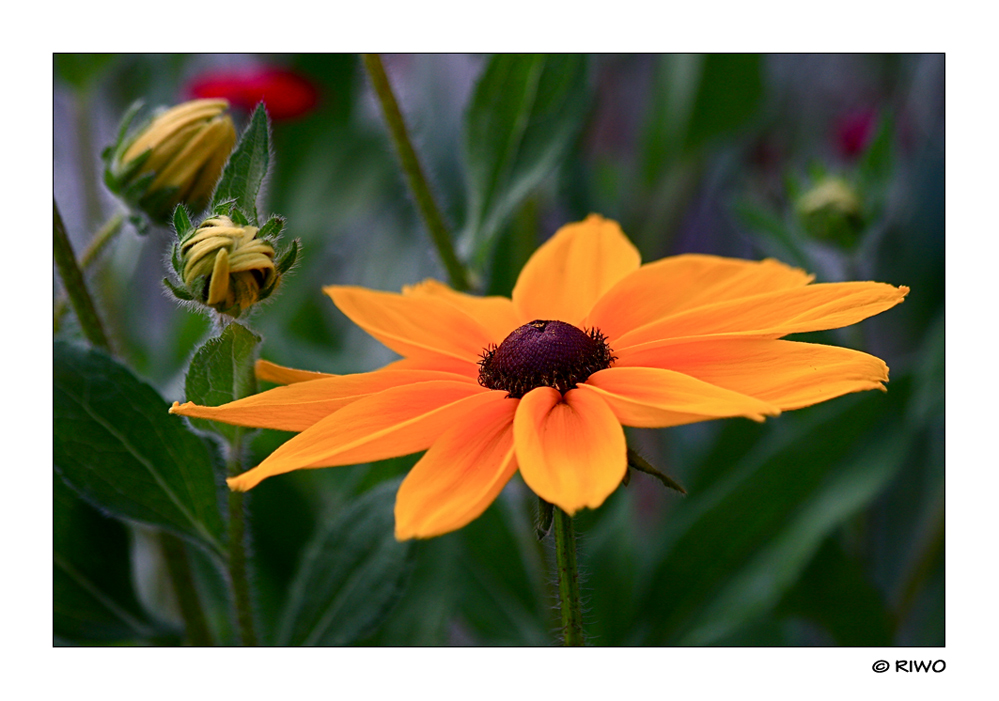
pixel 544 353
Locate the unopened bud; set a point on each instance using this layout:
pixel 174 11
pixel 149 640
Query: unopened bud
pixel 226 267
pixel 832 211
pixel 177 158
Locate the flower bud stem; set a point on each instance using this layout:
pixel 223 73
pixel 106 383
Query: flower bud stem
pixel 414 173
pixel 72 279
pixel 98 243
pixel 237 549
pixel 179 568
pixel 568 579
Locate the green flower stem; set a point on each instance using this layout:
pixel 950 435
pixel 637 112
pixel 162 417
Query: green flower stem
pixel 72 278
pixel 568 579
pixel 237 549
pixel 414 173
pixel 98 243
pixel 179 567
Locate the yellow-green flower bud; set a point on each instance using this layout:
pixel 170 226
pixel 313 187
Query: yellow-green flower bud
pixel 178 157
pixel 832 211
pixel 230 266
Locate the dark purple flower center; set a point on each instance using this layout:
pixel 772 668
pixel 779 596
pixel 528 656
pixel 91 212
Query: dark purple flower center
pixel 544 354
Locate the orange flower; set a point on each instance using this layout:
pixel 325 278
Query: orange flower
pixel 542 383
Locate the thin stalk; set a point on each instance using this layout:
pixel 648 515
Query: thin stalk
pixel 182 578
pixel 238 572
pixel 86 155
pixel 98 243
pixel 72 279
pixel 568 579
pixel 415 177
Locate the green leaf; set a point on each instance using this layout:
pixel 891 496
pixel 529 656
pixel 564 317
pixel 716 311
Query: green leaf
pixel 118 447
pixel 350 576
pixel 834 593
pixel 221 371
pixel 116 174
pixel 182 223
pixel 505 595
pixel 876 164
pixel 178 292
pixel 730 91
pixel 761 582
pixel 272 228
pixel 523 118
pixel 696 99
pixel 774 232
pixel 287 259
pixel 92 594
pixel 727 547
pixel 247 166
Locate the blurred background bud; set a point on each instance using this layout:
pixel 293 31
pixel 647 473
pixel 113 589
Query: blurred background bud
pixel 176 158
pixel 832 211
pixel 854 132
pixel 286 94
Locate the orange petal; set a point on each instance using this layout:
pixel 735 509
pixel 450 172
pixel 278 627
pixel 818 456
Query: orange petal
pixel 571 449
pixel 496 314
pixel 298 406
pixel 413 325
pixel 280 375
pixel 655 398
pixel 442 363
pixel 773 314
pixel 398 421
pixel 676 284
pixel 569 272
pixel 787 374
pixel 462 473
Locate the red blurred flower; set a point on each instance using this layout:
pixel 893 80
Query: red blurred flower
pixel 285 93
pixel 854 132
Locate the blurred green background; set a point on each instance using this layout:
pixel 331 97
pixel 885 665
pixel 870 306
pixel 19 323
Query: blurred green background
pixel 823 526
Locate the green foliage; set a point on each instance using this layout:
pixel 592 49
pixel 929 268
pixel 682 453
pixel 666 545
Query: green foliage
pixel 698 99
pixel 834 593
pixel 247 167
pixel 757 586
pixel 92 591
pixel 118 447
pixel 731 554
pixel 221 371
pixel 521 123
pixel 351 574
pixel 506 595
pixel 82 71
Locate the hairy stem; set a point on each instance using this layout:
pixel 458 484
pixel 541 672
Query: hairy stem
pixel 179 568
pixel 76 289
pixel 415 177
pixel 238 572
pixel 568 579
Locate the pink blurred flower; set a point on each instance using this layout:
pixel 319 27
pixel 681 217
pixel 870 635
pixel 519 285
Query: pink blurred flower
pixel 285 93
pixel 853 132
